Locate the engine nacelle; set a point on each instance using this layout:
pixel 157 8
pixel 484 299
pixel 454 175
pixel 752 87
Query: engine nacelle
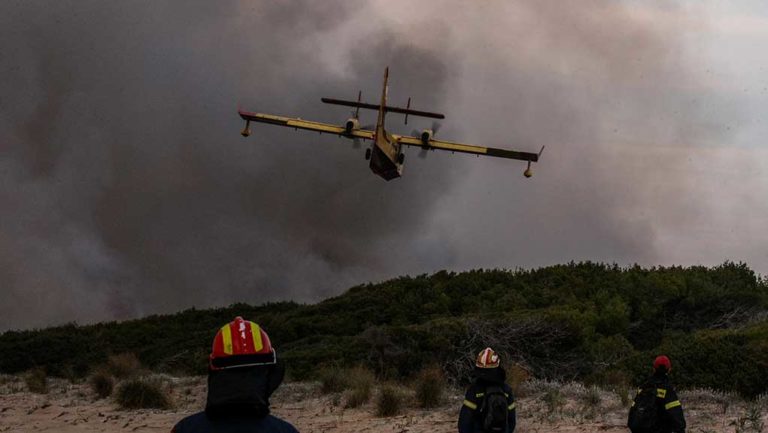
pixel 351 125
pixel 426 136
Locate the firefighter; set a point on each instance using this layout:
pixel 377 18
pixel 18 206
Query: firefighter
pixel 489 405
pixel 243 371
pixel 656 408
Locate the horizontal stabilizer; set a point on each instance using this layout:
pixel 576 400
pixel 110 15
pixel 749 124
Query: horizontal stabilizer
pixel 388 108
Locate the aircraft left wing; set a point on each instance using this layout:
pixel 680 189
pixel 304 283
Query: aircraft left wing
pixel 466 148
pixel 297 123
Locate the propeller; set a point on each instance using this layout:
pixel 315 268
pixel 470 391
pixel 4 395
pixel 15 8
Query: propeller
pixel 424 150
pixel 436 126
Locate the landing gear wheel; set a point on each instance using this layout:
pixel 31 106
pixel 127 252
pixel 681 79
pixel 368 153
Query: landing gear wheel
pixel 367 154
pixel 401 158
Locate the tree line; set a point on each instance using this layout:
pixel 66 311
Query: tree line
pixel 595 322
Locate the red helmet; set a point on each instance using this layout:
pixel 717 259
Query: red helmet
pixel 241 343
pixel 662 360
pixel 487 358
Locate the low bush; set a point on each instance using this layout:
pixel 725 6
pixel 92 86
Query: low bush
pixel 553 398
pixel 430 386
pixel 390 402
pixel 142 394
pixel 360 382
pixel 124 365
pixel 332 380
pixel 37 380
pixel 516 377
pixel 590 400
pixel 102 383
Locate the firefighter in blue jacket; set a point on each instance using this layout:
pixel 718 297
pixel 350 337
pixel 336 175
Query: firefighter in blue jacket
pixel 656 408
pixel 243 372
pixel 489 405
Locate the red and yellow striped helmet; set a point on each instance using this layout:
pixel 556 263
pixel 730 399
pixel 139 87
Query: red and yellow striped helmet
pixel 487 358
pixel 241 343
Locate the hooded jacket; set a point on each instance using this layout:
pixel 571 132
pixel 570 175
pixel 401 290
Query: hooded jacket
pixel 238 402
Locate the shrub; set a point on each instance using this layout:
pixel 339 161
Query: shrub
pixel 124 365
pixel 430 385
pixel 360 381
pixel 553 398
pixel 102 383
pixel 37 380
pixel 390 401
pixel 142 394
pixel 516 377
pixel 625 395
pixel 333 379
pixel 591 399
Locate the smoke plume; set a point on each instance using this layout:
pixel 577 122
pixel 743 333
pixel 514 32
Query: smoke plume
pixel 127 190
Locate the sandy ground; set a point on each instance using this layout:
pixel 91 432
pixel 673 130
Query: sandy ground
pixel 542 407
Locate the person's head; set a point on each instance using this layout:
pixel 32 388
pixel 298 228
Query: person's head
pixel 662 365
pixel 487 358
pixel 241 343
pixel 243 370
pixel 488 366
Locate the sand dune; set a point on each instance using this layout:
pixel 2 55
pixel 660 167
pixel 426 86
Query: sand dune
pixel 543 407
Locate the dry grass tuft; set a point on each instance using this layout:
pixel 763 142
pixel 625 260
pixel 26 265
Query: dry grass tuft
pixel 102 383
pixel 517 376
pixel 37 380
pixel 430 387
pixel 124 365
pixel 142 394
pixel 553 398
pixel 332 380
pixel 360 382
pixel 390 402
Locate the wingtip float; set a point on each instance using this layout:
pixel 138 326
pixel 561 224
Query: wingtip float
pixel 386 151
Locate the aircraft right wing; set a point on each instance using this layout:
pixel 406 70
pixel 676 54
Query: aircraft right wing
pixel 297 123
pixel 466 148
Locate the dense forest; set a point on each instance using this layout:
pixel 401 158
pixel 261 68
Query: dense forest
pixel 586 321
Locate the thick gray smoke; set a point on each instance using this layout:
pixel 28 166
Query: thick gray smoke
pixel 127 190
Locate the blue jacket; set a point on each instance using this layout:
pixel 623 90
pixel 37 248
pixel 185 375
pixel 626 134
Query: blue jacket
pixel 201 423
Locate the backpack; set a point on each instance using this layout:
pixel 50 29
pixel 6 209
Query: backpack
pixel 494 410
pixel 644 414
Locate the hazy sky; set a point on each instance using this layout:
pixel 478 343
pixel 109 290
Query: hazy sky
pixel 127 189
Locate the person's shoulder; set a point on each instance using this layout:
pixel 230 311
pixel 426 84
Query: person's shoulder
pixel 190 420
pixel 279 425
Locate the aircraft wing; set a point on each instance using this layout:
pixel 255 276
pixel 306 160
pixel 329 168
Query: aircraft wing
pixel 308 125
pixel 466 148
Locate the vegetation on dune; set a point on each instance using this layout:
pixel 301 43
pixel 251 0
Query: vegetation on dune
pixel 360 382
pixel 36 380
pixel 142 393
pixel 101 383
pixel 595 322
pixel 391 401
pixel 430 387
pixel 123 365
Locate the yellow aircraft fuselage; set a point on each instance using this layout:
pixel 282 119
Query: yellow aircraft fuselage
pixel 386 156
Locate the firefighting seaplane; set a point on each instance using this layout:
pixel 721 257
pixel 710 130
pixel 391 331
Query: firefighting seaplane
pixel 386 152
